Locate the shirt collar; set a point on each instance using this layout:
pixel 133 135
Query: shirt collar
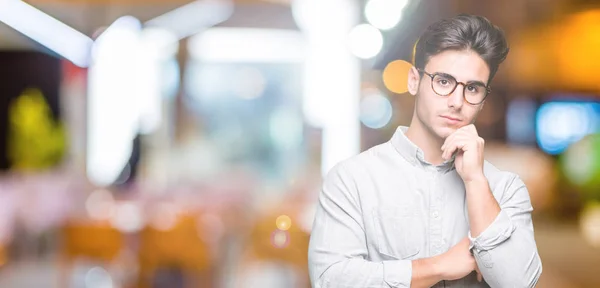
pixel 413 154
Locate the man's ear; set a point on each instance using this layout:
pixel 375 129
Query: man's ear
pixel 413 81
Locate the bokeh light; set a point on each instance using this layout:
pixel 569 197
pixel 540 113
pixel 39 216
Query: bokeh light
pixel 164 216
pixel 365 41
pixel 375 110
pixel 581 165
pixel 98 277
pixel 559 124
pixel 283 222
pixel 100 205
pixel 395 76
pixel 280 239
pixel 384 14
pixel 590 224
pixel 128 217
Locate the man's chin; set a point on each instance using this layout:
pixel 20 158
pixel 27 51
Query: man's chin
pixel 445 131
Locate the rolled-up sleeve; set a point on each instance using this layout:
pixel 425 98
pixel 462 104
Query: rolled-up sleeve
pixel 506 251
pixel 338 250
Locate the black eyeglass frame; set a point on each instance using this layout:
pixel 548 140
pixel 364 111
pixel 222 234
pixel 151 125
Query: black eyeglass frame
pixel 488 90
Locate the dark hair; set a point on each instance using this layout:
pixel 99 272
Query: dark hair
pixel 463 32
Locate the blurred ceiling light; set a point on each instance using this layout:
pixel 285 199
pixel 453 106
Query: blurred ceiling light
pixel 395 76
pixel 156 47
pixel 323 17
pixel 375 110
pixel 365 41
pixel 384 14
pixel 46 30
pixel 124 23
pixel 114 114
pixel 124 176
pixel 247 45
pixel 163 42
pixel 194 17
pixel 331 76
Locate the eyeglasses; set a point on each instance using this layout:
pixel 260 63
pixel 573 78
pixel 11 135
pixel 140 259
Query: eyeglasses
pixel 444 84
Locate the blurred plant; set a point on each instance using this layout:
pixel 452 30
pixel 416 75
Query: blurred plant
pixel 581 165
pixel 35 140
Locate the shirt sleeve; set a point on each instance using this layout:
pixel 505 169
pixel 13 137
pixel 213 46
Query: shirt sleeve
pixel 506 251
pixel 338 250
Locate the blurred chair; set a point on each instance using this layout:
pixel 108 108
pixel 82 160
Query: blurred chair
pixel 96 241
pixel 178 248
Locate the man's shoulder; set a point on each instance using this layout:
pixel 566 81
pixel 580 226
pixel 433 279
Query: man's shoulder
pixel 356 164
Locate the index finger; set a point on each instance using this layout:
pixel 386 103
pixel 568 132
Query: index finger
pixel 470 129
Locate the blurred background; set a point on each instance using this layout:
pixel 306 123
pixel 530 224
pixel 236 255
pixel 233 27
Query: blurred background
pixel 183 143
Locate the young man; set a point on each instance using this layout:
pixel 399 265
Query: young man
pixel 425 209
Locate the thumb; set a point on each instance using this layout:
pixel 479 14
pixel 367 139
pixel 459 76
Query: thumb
pixel 479 276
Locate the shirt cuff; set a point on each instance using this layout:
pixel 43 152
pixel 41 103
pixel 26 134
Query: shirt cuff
pixel 397 273
pixel 500 230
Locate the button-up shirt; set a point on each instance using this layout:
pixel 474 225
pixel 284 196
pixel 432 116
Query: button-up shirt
pixel 387 206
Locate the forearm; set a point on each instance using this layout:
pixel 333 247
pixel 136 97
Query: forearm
pixel 502 239
pixel 513 263
pixel 426 272
pixel 362 273
pixel 358 272
pixel 481 205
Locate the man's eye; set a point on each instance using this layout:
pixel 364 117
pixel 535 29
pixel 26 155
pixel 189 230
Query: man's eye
pixel 443 82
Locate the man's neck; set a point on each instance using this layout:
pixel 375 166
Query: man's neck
pixel 426 141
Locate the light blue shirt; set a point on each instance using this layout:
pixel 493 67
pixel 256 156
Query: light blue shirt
pixel 387 206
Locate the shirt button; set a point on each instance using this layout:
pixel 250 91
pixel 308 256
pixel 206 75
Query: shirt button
pixel 435 214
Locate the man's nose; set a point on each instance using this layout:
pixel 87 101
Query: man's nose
pixel 456 99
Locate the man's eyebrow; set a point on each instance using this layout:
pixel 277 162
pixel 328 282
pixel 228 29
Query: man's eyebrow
pixel 478 82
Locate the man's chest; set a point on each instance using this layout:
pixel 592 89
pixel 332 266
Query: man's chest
pixel 413 215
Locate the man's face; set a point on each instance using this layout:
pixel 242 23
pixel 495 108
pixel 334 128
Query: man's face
pixel 442 115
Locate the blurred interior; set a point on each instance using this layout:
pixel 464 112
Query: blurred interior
pixel 183 143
